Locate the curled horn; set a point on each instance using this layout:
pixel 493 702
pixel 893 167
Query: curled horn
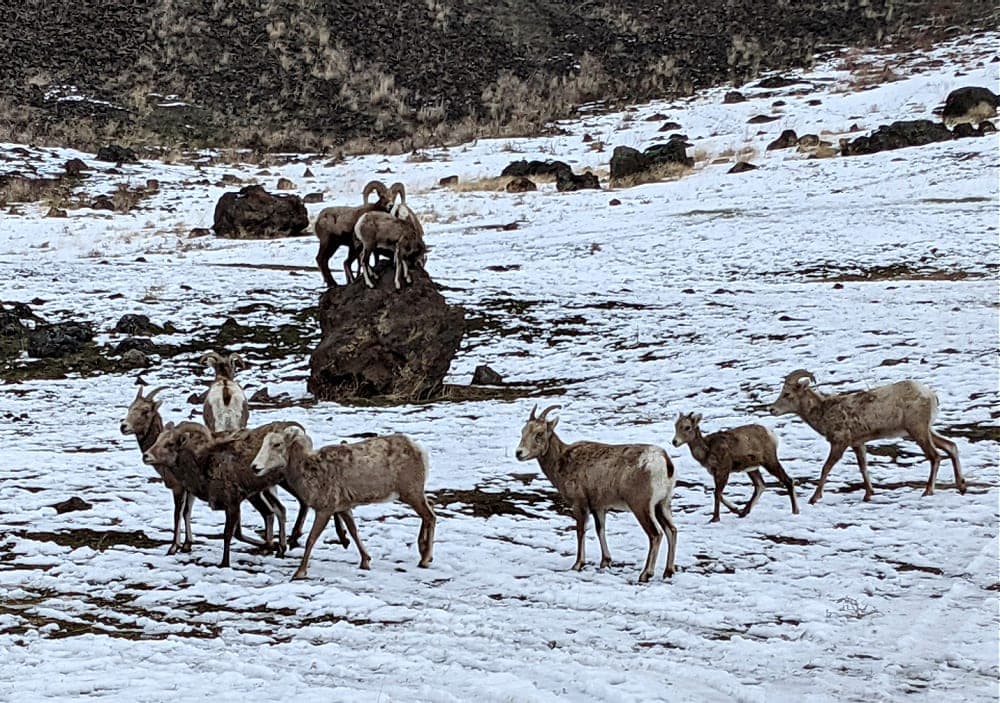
pixel 397 189
pixel 794 376
pixel 377 187
pixel 212 358
pixel 532 416
pixel 548 410
pixel 235 359
pixel 152 393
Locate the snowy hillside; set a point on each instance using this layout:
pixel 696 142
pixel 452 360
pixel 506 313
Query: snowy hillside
pixel 698 294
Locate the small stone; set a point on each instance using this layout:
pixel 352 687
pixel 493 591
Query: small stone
pixel 308 173
pixel 520 184
pixel 56 212
pixel 734 96
pixel 485 376
pixel 614 201
pixel 743 167
pixel 71 505
pixel 285 184
pixel 310 198
pixel 448 181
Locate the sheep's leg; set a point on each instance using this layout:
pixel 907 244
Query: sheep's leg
pixel 348 520
pixel 179 500
pixel 326 251
pixel 836 451
pixel 338 524
pixel 666 519
pixel 300 519
pixel 188 533
pixel 599 519
pixel 271 495
pixel 581 532
pixel 951 449
pixel 406 272
pixel 366 268
pixel 265 511
pixel 232 520
pixel 778 471
pixel 930 451
pixel 319 524
pixel 399 269
pixel 758 489
pixel 642 514
pixel 861 454
pixel 352 257
pixel 721 479
pixel 425 539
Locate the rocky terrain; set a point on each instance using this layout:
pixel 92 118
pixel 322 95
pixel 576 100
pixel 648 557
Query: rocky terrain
pixel 295 75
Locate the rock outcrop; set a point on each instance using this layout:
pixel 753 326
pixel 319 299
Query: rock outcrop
pixel 384 342
pixel 897 135
pixel 253 213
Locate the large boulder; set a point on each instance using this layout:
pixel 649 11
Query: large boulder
pixel 384 342
pixel 627 162
pixel 566 180
pixel 534 168
pixel 253 213
pixel 970 104
pixel 58 339
pixel 897 135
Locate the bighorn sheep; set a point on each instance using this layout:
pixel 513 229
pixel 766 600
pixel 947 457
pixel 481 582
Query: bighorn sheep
pixel 338 477
pixel 226 408
pixel 902 409
pixel 733 451
pixel 335 228
pixel 594 478
pixel 216 469
pixel 402 235
pixel 143 420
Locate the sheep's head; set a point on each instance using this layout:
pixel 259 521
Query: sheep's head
pixel 384 199
pixel 273 454
pixel 142 414
pixel 686 428
pixel 793 393
pixel 172 439
pixel 414 250
pixel 536 435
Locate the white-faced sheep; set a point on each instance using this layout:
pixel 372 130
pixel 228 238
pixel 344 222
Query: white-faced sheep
pixel 384 231
pixel 593 478
pixel 144 421
pixel 902 409
pixel 226 408
pixel 338 477
pixel 732 451
pixel 335 228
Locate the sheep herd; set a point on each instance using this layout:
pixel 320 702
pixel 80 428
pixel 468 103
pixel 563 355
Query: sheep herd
pixel 223 463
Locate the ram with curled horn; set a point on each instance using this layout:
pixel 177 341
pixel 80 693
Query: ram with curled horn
pixel 902 409
pixel 335 228
pixel 594 478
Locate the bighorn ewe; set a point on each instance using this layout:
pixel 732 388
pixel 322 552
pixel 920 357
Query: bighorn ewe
pixel 226 408
pixel 733 451
pixel 216 469
pixel 382 230
pixel 903 409
pixel 335 478
pixel 594 478
pixel 335 228
pixel 143 420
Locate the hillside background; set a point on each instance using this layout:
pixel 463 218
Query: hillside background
pixel 296 74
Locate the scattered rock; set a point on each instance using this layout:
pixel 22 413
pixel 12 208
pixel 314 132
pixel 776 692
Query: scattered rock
pixel 255 213
pixel 778 103
pixel 135 359
pixel 972 104
pixel 137 326
pixel 312 198
pixel 261 395
pixel 520 184
pixel 655 117
pixel 669 127
pixel 308 173
pixel 56 212
pixel 75 168
pixel 384 342
pixel 199 232
pixel 734 96
pixel 448 181
pixel 987 127
pixel 152 185
pixel 587 138
pixel 116 154
pixel 626 161
pixel 787 139
pixel 777 82
pixel 814 102
pixel 673 152
pixel 485 376
pixel 102 202
pixel 567 181
pixel 808 140
pixel 897 135
pixel 72 505
pixel 534 168
pixel 614 202
pixel 58 339
pixel 141 344
pixel 285 184
pixel 763 119
pixel 743 167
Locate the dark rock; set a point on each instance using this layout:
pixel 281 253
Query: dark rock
pixel 567 181
pixel 587 138
pixel 448 181
pixel 778 103
pixel 808 140
pixel 310 198
pixel 137 325
pixel 102 202
pixel 534 168
pixel 970 104
pixel 897 135
pixel 135 359
pixel 674 151
pixel 813 102
pixel 71 505
pixel 763 119
pixel 734 96
pixel 614 201
pixel 75 168
pixel 963 130
pixel 520 184
pixel 255 213
pixel 485 376
pixel 742 167
pixel 285 184
pixel 199 232
pixel 116 154
pixel 626 161
pixel 141 344
pixel 777 82
pixel 308 173
pixel 787 139
pixel 261 395
pixel 655 117
pixel 669 127
pixel 58 339
pixel 987 127
pixel 56 212
pixel 384 342
pixel 152 185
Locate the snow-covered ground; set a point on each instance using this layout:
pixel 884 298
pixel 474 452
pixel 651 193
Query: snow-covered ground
pixel 693 295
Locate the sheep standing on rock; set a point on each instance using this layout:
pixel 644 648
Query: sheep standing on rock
pixel 903 409
pixel 335 478
pixel 594 478
pixel 398 231
pixel 335 228
pixel 732 451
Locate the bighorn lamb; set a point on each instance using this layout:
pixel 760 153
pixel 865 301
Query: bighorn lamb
pixel 402 235
pixel 733 451
pixel 338 477
pixel 594 478
pixel 335 228
pixel 902 409
pixel 215 468
pixel 143 420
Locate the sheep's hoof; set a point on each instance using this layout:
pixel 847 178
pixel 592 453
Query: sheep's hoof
pixel 345 543
pixel 815 498
pixel 668 572
pixel 425 563
pixel 644 577
pixel 927 492
pixel 715 518
pixel 795 511
pixel 578 566
pixel 868 497
pixel 605 563
pixel 366 565
pixel 961 488
pixel 299 575
pixel 173 549
pixel 186 547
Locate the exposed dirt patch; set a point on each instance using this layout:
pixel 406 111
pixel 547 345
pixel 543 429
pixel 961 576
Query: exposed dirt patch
pixel 95 539
pixel 482 503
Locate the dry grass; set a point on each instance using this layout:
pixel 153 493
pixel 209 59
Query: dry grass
pixel 661 172
pixel 497 184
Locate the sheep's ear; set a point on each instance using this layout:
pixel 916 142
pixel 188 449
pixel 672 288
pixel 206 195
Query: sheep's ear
pixel 182 440
pixel 553 423
pixel 168 426
pixel 157 404
pixel 138 394
pixel 696 417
